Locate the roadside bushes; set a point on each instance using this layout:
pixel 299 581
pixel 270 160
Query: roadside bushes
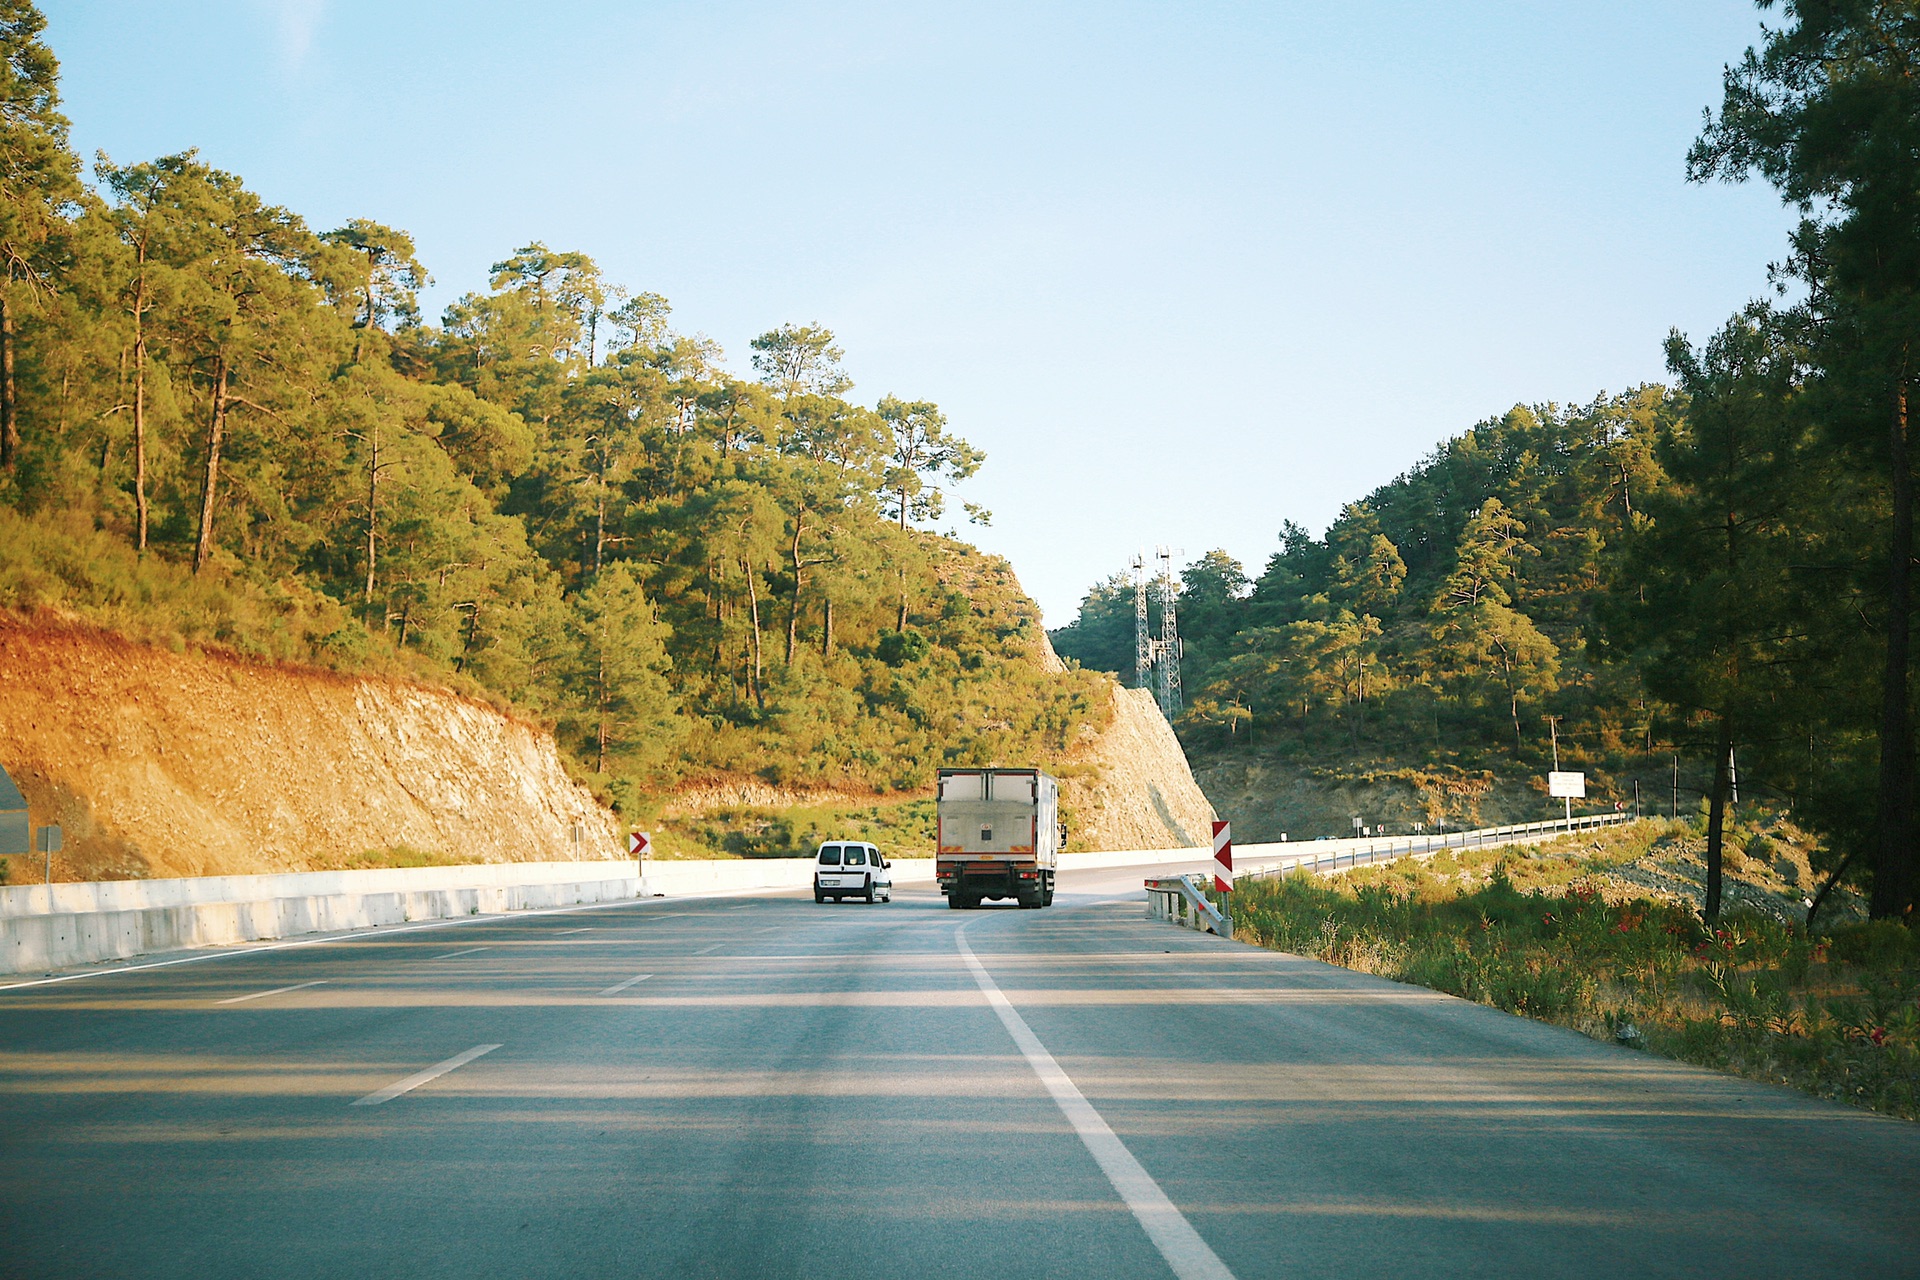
pixel 1837 1017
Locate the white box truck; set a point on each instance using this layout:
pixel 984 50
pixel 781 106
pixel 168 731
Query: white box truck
pixel 999 836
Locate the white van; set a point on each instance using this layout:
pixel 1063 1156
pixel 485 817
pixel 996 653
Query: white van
pixel 850 869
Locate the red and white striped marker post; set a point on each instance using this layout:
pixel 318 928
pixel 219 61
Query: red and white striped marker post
pixel 1223 856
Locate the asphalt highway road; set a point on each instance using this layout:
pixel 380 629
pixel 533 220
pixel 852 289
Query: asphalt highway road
pixel 769 1087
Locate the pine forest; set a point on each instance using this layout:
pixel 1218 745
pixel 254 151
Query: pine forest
pixel 220 425
pixel 1712 576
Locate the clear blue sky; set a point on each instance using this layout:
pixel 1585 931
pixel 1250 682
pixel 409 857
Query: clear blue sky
pixel 1183 270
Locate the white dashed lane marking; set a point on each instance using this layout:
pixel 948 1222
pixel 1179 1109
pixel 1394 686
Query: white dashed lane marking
pixel 419 1078
pixel 277 991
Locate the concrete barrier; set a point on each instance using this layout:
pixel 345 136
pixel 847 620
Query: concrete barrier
pixel 676 878
pixel 47 927
pixel 54 926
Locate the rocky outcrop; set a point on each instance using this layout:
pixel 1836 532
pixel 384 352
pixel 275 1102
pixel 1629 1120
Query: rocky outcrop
pixel 1130 788
pixel 158 763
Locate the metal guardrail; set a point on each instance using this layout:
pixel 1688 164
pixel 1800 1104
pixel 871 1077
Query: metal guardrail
pixel 1180 900
pixel 1183 900
pixel 1386 850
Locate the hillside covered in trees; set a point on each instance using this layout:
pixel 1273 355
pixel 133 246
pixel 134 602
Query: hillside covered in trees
pixel 1720 569
pixel 220 425
pixel 1440 619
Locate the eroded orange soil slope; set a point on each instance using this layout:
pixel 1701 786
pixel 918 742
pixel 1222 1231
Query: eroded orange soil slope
pixel 157 763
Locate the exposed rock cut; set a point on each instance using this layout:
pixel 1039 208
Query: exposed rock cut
pixel 163 764
pixel 1130 788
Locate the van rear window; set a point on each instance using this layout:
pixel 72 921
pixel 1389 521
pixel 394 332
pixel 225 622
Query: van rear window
pixel 830 855
pixel 856 856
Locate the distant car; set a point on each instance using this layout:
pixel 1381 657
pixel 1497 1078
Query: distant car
pixel 851 869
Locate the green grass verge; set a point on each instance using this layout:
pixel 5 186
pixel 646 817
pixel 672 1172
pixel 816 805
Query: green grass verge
pixel 1548 934
pixel 903 829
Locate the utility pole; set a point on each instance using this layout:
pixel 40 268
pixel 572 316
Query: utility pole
pixel 1553 728
pixel 1142 638
pixel 1676 786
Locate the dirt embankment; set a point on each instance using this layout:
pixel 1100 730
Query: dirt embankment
pixel 157 763
pixel 1267 798
pixel 1129 787
pixel 1126 786
pixel 163 764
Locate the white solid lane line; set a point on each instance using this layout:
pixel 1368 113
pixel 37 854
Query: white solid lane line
pixel 583 929
pixel 419 1078
pixel 1189 1256
pixel 277 991
pixel 451 954
pixel 622 986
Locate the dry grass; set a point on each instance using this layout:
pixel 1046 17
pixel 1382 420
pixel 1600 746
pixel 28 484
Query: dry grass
pixel 1602 935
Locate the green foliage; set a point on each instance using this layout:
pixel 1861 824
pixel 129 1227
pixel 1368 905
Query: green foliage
pixel 1101 635
pixel 227 429
pixel 903 829
pixel 1535 934
pixel 1826 110
pixel 1442 616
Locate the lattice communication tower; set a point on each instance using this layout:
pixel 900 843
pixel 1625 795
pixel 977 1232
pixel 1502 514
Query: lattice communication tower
pixel 1156 660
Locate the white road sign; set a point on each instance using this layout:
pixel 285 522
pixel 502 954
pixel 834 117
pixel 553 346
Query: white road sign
pixel 1567 786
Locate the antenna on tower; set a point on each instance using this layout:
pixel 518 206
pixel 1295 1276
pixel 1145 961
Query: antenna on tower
pixel 1142 638
pixel 1156 659
pixel 1169 683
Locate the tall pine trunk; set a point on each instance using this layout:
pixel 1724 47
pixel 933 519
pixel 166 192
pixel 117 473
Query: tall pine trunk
pixel 9 405
pixel 753 619
pixel 799 580
pixel 1893 862
pixel 373 509
pixel 140 402
pixel 603 697
pixel 1717 819
pixel 216 437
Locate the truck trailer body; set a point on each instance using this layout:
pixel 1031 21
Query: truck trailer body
pixel 999 836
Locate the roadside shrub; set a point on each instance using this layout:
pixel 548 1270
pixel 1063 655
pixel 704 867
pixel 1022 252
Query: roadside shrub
pixel 1753 995
pixel 1876 942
